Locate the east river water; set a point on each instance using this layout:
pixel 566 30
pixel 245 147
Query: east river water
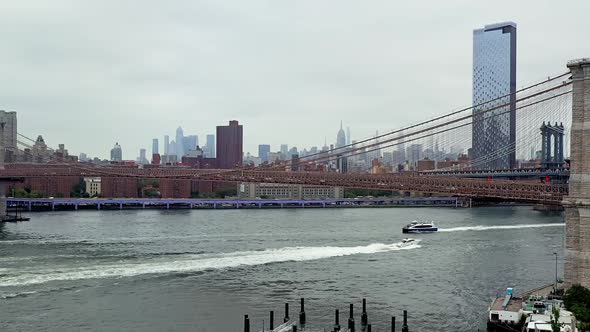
pixel 202 270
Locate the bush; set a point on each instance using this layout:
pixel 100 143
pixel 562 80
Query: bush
pixel 20 193
pixel 35 194
pixel 577 300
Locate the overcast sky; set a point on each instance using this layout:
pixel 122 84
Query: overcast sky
pixel 92 73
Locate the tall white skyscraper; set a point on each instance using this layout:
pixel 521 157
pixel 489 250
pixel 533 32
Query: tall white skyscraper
pixel 210 146
pixel 166 145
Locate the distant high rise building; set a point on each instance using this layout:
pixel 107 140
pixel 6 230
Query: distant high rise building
pixel 172 148
pixel 155 146
pixel 294 151
pixel 295 162
pixel 166 144
pixel 401 149
pixel 179 142
pixel 142 160
pixel 229 145
pixel 116 153
pixel 388 158
pixel 374 151
pixel 210 146
pixel 10 139
pixel 414 153
pixel 348 138
pixel 189 143
pixel 342 164
pixel 284 151
pixel 494 76
pixel 39 152
pixel 264 152
pixel 83 156
pixel 341 137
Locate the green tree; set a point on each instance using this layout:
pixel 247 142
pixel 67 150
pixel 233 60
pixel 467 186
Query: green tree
pixel 152 193
pixel 79 189
pixel 577 300
pixel 20 193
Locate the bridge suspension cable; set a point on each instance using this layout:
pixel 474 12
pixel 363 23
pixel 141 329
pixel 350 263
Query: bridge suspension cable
pixel 465 109
pixel 380 144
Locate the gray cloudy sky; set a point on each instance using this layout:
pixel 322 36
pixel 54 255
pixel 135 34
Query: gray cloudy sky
pixel 89 73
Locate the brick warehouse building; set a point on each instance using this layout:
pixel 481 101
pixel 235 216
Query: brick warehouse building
pixel 48 186
pixel 229 145
pixel 117 187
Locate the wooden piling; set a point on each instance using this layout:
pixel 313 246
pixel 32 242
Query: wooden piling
pixel 302 313
pixel 364 317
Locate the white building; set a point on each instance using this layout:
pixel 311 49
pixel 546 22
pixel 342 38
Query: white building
pixel 288 191
pixel 93 186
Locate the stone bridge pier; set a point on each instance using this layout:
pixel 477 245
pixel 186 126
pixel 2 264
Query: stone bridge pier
pixel 577 203
pixel 2 183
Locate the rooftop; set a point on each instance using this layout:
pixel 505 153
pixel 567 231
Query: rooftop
pixel 514 305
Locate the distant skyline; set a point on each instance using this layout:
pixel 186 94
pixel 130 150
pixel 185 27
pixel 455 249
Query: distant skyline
pixel 89 74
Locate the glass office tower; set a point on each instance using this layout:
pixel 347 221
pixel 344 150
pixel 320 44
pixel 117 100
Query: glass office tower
pixel 494 76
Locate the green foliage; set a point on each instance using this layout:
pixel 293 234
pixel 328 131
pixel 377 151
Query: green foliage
pixel 144 183
pixel 35 194
pixel 78 190
pixel 20 193
pixel 577 300
pixel 26 193
pixel 152 193
pixel 223 192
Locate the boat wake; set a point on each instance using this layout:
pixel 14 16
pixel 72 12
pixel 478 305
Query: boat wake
pixel 485 228
pixel 187 263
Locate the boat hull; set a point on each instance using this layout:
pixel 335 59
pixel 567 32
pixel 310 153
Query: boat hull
pixel 419 230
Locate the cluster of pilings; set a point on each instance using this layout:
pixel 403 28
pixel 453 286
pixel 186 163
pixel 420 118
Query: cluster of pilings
pixel 294 325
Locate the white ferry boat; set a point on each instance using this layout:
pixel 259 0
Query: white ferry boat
pixel 420 227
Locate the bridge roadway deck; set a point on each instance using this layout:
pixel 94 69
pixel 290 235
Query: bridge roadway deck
pixel 174 203
pixel 510 190
pixel 503 173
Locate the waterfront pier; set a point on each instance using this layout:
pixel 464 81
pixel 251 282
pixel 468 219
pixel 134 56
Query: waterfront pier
pixel 51 204
pixel 301 324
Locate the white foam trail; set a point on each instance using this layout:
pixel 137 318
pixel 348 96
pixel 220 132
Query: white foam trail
pixel 191 263
pixel 485 228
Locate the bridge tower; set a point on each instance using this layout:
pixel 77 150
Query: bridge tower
pixel 577 203
pixel 2 183
pixel 551 133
